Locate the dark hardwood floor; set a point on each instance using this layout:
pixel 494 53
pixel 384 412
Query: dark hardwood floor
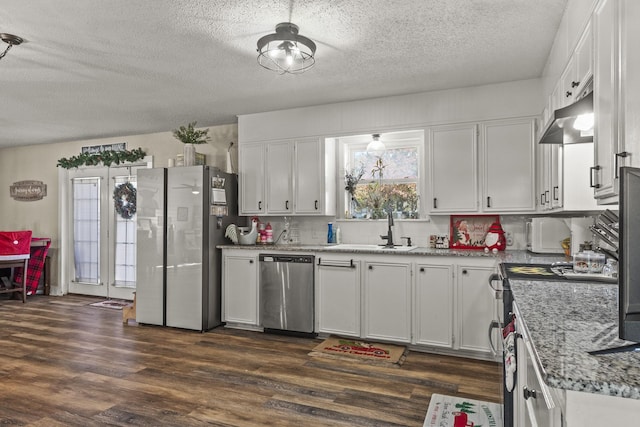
pixel 63 362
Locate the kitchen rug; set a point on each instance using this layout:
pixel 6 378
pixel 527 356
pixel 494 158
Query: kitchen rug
pixel 110 303
pixel 450 411
pixel 362 351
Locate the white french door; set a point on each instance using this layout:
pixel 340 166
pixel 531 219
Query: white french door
pixel 102 242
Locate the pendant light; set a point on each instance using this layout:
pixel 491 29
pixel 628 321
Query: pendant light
pixel 375 145
pixel 286 51
pixel 11 40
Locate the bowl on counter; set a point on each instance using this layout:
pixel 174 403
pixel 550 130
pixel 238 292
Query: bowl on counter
pixel 588 262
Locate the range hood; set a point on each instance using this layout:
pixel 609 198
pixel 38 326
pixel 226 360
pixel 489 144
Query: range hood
pixel 560 129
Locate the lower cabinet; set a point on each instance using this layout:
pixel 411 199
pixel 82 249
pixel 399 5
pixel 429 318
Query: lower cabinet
pixel 387 301
pixel 240 287
pixel 433 305
pixel 338 295
pixel 475 306
pixel 438 302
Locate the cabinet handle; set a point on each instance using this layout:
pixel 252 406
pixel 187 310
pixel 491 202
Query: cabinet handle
pixel 541 199
pixel 464 271
pixel 527 393
pixel 371 267
pixel 592 170
pixel 250 261
pixel 575 84
pixel 555 193
pixel 618 155
pixel 260 205
pixel 286 205
pixel 568 94
pixel 435 203
pixel 421 269
pixel 316 204
pixel 488 201
pixel 546 197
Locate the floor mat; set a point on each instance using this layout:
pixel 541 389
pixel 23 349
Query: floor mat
pixel 111 303
pixel 451 411
pixel 363 351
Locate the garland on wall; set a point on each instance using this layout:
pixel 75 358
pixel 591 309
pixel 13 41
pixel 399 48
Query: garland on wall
pixel 124 198
pixel 107 158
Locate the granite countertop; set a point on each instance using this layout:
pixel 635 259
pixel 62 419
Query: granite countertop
pixel 565 320
pixel 506 256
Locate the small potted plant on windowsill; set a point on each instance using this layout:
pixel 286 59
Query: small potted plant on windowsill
pixel 190 136
pixel 351 179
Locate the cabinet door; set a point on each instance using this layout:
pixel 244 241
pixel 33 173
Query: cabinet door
pixel 338 296
pixel 252 178
pixel 605 106
pixel 309 177
pixel 584 58
pixel 476 306
pixel 279 177
pixel 240 289
pixel 453 168
pixel 556 170
pixel 509 164
pixel 569 84
pixel 434 305
pixel 387 289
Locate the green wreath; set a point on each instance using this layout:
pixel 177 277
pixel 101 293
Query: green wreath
pixel 124 197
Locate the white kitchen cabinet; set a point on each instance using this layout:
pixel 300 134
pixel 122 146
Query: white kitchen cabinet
pixel 503 160
pixel 280 177
pixel 453 168
pixel 294 177
pixel 338 298
pixel 240 287
pixel 252 179
pixel 533 401
pixel 508 165
pixel 433 305
pixel 387 301
pixel 476 307
pixel 605 31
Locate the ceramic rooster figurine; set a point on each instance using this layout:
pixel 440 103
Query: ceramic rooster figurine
pixel 243 235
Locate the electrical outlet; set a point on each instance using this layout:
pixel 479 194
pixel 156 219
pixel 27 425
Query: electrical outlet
pixel 509 238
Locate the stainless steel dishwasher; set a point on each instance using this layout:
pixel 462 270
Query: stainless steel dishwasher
pixel 286 293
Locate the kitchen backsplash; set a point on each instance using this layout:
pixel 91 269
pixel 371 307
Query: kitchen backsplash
pixel 313 230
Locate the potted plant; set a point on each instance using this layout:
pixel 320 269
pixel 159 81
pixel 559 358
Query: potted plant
pixel 191 136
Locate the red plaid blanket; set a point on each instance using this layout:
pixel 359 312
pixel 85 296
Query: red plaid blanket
pixel 35 266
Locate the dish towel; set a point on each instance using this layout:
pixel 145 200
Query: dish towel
pixel 509 338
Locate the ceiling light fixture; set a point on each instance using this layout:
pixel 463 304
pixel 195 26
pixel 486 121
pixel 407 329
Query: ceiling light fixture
pixel 11 40
pixel 376 144
pixel 286 51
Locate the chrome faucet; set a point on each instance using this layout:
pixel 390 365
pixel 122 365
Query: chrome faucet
pixel 389 236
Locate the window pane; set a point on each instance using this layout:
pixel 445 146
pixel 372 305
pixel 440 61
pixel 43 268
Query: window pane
pixel 86 228
pixel 375 200
pixel 125 241
pixel 400 163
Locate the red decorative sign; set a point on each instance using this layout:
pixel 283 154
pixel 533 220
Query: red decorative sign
pixel 469 231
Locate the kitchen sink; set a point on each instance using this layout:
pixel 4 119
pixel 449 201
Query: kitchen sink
pixel 363 247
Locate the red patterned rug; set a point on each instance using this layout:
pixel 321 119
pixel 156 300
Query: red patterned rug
pixel 362 351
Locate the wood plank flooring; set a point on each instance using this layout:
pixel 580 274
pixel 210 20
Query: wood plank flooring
pixel 65 363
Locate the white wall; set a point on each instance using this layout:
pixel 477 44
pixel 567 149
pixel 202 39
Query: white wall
pixel 38 162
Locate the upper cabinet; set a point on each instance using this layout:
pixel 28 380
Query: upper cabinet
pixel 453 168
pixel 290 177
pixel 484 167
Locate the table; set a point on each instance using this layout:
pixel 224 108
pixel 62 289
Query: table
pixel 10 261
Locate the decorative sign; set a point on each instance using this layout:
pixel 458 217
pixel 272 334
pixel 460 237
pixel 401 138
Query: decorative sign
pixel 121 146
pixel 28 191
pixel 469 231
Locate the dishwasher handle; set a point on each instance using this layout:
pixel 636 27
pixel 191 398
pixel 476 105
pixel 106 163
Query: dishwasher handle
pixel 339 264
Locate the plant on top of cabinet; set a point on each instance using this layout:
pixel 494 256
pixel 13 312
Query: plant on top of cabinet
pixel 191 135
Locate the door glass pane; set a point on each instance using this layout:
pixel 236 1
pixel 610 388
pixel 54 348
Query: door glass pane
pixel 86 229
pixel 125 238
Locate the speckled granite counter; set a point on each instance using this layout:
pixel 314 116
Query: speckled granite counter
pixel 565 320
pixel 507 256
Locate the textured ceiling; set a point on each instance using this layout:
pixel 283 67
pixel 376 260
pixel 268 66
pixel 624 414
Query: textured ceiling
pixel 96 68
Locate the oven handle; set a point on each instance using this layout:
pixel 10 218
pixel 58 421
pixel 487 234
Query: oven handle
pixel 493 278
pixel 494 325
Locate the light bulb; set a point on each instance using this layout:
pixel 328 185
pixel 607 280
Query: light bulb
pixel 584 122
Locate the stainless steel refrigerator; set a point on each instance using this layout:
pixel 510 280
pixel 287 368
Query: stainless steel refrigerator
pixel 182 214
